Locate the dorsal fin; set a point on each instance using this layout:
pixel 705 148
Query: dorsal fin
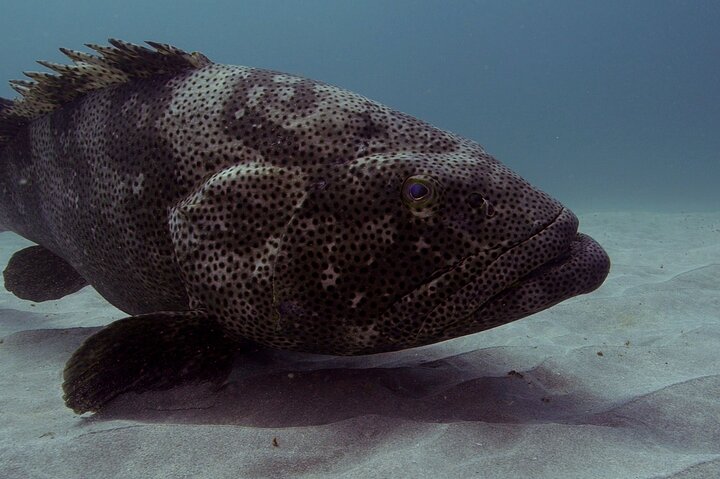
pixel 9 123
pixel 119 62
pixel 5 103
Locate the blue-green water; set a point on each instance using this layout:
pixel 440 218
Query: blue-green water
pixel 606 105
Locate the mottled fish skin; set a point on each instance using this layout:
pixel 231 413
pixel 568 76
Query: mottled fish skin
pixel 297 214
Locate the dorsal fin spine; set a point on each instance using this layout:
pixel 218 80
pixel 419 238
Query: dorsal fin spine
pixel 57 67
pixel 119 62
pixel 80 57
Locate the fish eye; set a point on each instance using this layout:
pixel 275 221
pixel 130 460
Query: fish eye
pixel 418 191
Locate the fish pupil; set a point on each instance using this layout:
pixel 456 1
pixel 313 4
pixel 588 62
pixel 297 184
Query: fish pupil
pixel 418 191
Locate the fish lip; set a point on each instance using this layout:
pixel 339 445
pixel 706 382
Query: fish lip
pixel 459 297
pixel 582 267
pixel 464 302
pixel 564 220
pixel 584 244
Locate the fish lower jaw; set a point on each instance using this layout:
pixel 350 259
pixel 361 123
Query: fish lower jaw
pixel 579 270
pixel 481 283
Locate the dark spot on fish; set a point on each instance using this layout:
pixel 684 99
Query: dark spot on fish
pixel 515 374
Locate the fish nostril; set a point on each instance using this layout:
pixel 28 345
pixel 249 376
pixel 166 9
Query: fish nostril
pixel 475 200
pixel 489 209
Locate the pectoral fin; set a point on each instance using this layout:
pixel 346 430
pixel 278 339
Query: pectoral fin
pixel 37 274
pixel 150 351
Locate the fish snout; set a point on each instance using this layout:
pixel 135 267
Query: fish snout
pixel 554 264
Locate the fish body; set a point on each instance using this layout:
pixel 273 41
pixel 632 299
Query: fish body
pixel 289 212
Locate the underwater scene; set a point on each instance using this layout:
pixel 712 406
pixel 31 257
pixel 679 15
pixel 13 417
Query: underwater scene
pixel 373 239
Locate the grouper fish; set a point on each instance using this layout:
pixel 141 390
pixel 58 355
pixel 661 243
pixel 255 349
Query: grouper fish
pixel 223 207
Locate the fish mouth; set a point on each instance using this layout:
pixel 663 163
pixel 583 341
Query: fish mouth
pixel 579 270
pixel 551 266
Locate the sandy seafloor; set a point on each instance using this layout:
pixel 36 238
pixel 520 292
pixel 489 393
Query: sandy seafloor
pixel 622 383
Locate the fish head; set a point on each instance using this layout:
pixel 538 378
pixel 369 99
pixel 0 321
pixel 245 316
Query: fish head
pixel 387 252
pixel 402 250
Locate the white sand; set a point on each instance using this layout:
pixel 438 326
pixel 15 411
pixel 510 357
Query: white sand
pixel 623 383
